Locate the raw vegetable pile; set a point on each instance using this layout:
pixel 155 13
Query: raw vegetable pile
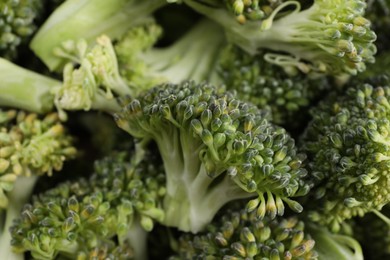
pixel 195 129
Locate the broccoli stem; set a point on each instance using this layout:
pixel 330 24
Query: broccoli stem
pixel 137 237
pixel 335 246
pixel 88 19
pixel 24 89
pixel 17 198
pixel 193 197
pixel 179 62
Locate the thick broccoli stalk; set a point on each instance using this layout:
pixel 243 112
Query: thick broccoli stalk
pixel 144 66
pixel 215 149
pixel 268 87
pixel 104 73
pixel 29 147
pixel 241 235
pixel 24 89
pixel 347 144
pixel 330 37
pixel 88 19
pixel 18 23
pixel 119 202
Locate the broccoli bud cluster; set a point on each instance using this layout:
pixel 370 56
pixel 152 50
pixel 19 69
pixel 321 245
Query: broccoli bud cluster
pixel 348 148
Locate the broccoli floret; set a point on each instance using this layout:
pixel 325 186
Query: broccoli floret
pixel 268 87
pixel 347 144
pixel 215 149
pixel 18 22
pixel 29 147
pixel 241 235
pixel 120 201
pixel 330 37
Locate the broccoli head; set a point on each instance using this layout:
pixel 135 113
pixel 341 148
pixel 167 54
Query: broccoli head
pixel 18 22
pixel 215 149
pixel 347 144
pixel 330 37
pixel 286 94
pixel 241 235
pixel 119 202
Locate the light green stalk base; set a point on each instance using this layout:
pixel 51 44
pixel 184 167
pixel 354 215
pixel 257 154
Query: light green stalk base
pixel 24 89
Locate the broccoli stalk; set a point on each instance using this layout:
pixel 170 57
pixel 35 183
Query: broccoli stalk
pixel 88 19
pixel 17 197
pixel 24 89
pixel 215 149
pixel 330 37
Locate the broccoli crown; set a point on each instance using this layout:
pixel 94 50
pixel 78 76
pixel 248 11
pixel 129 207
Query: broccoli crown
pixel 347 144
pixel 330 37
pixel 18 22
pixel 30 146
pixel 109 250
pixel 268 87
pixel 215 149
pixel 241 235
pixel 77 217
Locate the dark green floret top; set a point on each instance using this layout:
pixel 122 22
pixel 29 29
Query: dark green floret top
pixel 348 147
pixel 215 149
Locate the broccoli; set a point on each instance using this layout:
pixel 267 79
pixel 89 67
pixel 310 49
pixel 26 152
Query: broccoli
pixel 268 87
pixel 120 201
pixel 88 19
pixel 29 147
pixel 241 235
pixel 330 37
pixel 347 147
pixel 215 149
pixel 18 23
pixel 23 89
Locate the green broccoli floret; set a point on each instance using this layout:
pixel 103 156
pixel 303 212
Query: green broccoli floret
pixel 18 22
pixel 241 235
pixel 268 87
pixel 120 201
pixel 330 37
pixel 88 19
pixel 108 250
pixel 29 147
pixel 347 144
pixel 215 149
